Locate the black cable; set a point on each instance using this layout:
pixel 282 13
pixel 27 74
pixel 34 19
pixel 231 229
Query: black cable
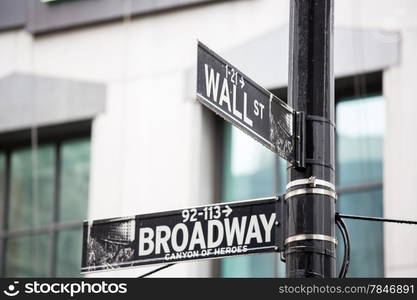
pixel 345 234
pixel 347 248
pixel 156 270
pixel 346 241
pixel 342 269
pixel 376 219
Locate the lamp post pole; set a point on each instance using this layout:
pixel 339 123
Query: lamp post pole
pixel 310 200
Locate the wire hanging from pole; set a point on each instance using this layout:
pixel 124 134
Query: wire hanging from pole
pixel 346 241
pixel 156 270
pixel 345 234
pixel 376 219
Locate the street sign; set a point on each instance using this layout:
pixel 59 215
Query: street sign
pixel 238 99
pixel 210 231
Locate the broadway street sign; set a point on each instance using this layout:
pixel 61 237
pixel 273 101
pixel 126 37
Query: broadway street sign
pixel 235 97
pixel 211 231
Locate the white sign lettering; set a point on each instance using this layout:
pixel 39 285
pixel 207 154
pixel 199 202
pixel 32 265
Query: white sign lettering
pixel 212 90
pixel 239 230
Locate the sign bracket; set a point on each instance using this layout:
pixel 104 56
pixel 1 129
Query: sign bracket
pixel 281 224
pixel 300 144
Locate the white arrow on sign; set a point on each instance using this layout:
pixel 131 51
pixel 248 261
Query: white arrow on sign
pixel 227 210
pixel 242 82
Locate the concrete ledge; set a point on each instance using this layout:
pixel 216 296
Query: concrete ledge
pixel 356 51
pixel 31 100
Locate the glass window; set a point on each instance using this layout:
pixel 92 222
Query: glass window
pixel 31 187
pixel 46 206
pixel 360 130
pixel 69 241
pixel 366 238
pixel 249 167
pixel 360 133
pixel 249 172
pixel 28 256
pixel 75 164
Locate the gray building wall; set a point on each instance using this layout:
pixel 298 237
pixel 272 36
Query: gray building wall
pixel 12 14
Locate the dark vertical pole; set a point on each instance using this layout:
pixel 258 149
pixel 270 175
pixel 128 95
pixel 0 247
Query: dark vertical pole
pixel 310 199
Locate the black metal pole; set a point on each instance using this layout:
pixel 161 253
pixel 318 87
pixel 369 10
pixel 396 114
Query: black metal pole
pixel 310 199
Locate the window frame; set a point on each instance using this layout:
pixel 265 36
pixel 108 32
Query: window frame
pixel 359 86
pixel 55 135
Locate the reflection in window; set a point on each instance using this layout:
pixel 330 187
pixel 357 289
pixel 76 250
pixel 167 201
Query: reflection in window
pixel 31 187
pixel 69 241
pixel 249 172
pixel 46 205
pixel 249 167
pixel 75 164
pixel 366 237
pixel 360 132
pixel 28 256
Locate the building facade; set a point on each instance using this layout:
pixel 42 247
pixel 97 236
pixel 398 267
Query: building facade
pixel 99 119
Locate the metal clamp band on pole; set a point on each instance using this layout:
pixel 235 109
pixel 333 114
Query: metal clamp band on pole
pixel 312 181
pixel 302 237
pixel 311 191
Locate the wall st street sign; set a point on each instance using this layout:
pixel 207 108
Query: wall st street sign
pixel 211 231
pixel 235 97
